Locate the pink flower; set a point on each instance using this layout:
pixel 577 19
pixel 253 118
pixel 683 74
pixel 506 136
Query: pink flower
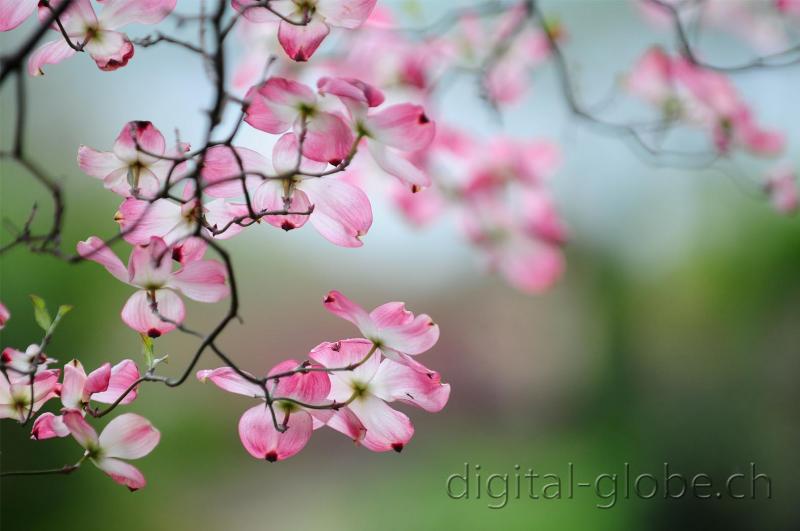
pixel 109 48
pixel 128 436
pixel 105 385
pixel 373 384
pixel 781 186
pixel 257 428
pixel 5 315
pixel 33 359
pixel 398 333
pixel 16 395
pixel 150 270
pixel 304 24
pixel 279 104
pixel 398 128
pixel 15 12
pixel 134 167
pixel 340 211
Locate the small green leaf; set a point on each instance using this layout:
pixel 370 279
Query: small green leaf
pixel 148 350
pixel 40 313
pixel 63 310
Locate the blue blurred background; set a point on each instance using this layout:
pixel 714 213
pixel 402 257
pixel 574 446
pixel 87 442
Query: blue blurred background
pixel 673 336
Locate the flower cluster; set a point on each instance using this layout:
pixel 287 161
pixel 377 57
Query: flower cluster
pixel 27 384
pixel 345 385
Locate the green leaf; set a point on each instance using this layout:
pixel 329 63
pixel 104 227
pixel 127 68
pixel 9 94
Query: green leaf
pixel 148 349
pixel 40 313
pixel 63 310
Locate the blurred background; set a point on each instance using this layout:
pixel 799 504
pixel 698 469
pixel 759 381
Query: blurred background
pixel 673 336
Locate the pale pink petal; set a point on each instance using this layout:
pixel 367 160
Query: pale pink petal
pixel 96 382
pixel 110 50
pixel 387 429
pixel 80 429
pixel 144 135
pixel 189 250
pixel 269 197
pixel 342 212
pixel 394 164
pixel 336 303
pixel 404 126
pixel 391 314
pixel 47 425
pixel 99 164
pixel 15 12
pixel 203 281
pixel 5 315
pixel 412 338
pixel 651 78
pixel 94 249
pixel 141 220
pixel 229 380
pixel 138 314
pixel 128 436
pixel 150 266
pixel 118 13
pixel 347 353
pixel 221 170
pixel 532 268
pixel 345 13
pixel 49 54
pixel 286 155
pixel 301 41
pixel 274 105
pixel 72 390
pixel 343 420
pixel 122 472
pixel 310 387
pixel 222 215
pixel 328 138
pixel 424 389
pixel 123 375
pixel 261 440
pixel 259 13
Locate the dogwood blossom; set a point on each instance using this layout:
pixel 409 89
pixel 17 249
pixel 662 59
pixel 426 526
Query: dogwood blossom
pixel 20 398
pixel 128 436
pixel 97 34
pixel 150 270
pixel 104 385
pixel 304 24
pixel 369 388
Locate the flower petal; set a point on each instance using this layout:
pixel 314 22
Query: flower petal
pixel 395 164
pixel 274 105
pixel 129 436
pixel 309 387
pixel 123 473
pixel 229 380
pixel 301 41
pixel 80 429
pixel 328 138
pixel 387 429
pixel 336 303
pixel 47 425
pixel 95 249
pixel 424 389
pixel 261 440
pixel 138 315
pixel 123 375
pixel 72 389
pixel 203 281
pixel 118 13
pixel 49 54
pixel 345 13
pixel 15 12
pixel 404 126
pixel 342 212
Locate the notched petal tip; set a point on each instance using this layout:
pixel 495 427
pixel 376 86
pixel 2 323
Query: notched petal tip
pixel 397 447
pixel 271 457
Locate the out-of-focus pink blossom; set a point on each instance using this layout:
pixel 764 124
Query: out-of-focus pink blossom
pixel 97 34
pixel 128 436
pixel 156 308
pixel 304 24
pixel 781 186
pixel 5 315
pixel 15 12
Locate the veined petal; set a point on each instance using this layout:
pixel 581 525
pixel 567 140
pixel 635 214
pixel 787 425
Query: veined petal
pixel 74 383
pixel 346 353
pixel 345 13
pixel 141 220
pixel 387 429
pixel 424 389
pixel 49 54
pixel 309 387
pixel 229 380
pixel 80 429
pixel 269 197
pixel 47 425
pixel 344 421
pixel 139 134
pixel 328 138
pixel 15 12
pixel 336 303
pixel 138 315
pixel 261 440
pixel 110 50
pixel 118 13
pixel 123 375
pixel 274 105
pixel 301 41
pixel 286 155
pixel 413 338
pixel 404 126
pixel 203 281
pixel 342 212
pixel 128 436
pixel 394 164
pixel 99 164
pixel 123 473
pixel 95 249
pixel 221 169
pixel 96 382
pixel 150 266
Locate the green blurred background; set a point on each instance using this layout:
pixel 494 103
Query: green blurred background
pixel 673 336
